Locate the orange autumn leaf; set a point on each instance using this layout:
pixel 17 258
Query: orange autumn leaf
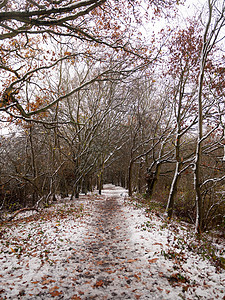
pixel 137 277
pixel 75 297
pixel 152 260
pixel 99 283
pixel 55 293
pixel 159 244
pixel 47 281
pixel 53 289
pixel 131 260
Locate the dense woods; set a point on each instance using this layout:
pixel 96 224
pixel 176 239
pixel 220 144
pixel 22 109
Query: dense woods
pixel 87 97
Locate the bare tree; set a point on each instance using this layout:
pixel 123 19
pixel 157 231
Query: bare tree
pixel 215 22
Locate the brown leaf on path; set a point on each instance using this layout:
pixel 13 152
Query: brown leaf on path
pixel 47 281
pixel 53 289
pixel 185 288
pixel 75 297
pixel 137 277
pixel 152 260
pixel 110 271
pixel 81 293
pixel 159 244
pixel 99 283
pixel 55 293
pixel 131 260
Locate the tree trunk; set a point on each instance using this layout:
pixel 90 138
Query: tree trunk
pixel 198 155
pixel 173 191
pixel 130 171
pixel 152 183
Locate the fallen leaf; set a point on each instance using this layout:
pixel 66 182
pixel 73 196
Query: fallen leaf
pixel 131 260
pixel 152 260
pixel 53 289
pixel 47 281
pixel 99 283
pixel 55 293
pixel 75 297
pixel 81 293
pixel 136 276
pixel 159 244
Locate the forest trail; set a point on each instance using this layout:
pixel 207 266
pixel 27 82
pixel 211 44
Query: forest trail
pixel 112 250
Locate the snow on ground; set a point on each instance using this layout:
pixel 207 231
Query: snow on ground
pixel 30 249
pixel 111 190
pixel 165 247
pixel 103 247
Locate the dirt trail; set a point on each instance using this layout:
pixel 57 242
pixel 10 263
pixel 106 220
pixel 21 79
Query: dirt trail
pixel 109 259
pixel 107 265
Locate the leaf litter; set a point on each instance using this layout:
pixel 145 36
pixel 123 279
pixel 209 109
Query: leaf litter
pixel 103 247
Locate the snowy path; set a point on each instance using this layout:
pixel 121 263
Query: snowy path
pixel 114 251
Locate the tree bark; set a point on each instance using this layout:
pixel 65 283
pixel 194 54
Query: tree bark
pixel 130 171
pixel 198 155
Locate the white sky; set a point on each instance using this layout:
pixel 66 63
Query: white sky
pixel 188 10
